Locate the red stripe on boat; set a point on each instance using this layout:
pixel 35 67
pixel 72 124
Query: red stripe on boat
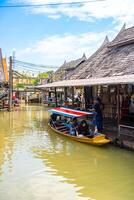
pixel 72 112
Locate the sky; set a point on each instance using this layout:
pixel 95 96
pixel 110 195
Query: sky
pixel 50 35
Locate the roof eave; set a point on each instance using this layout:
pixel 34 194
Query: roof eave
pixel 115 80
pixel 120 44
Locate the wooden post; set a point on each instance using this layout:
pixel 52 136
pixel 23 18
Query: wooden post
pixel 88 96
pixel 49 94
pixel 56 103
pixel 10 83
pixel 118 106
pixel 39 98
pixel 84 93
pixel 61 99
pixel 65 96
pixel 72 96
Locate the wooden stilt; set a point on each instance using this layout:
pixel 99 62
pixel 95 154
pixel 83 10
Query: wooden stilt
pixel 72 96
pixel 56 103
pixel 65 96
pixel 118 107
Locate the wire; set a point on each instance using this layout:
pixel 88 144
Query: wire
pixel 34 69
pixel 48 4
pixel 27 69
pixel 30 67
pixel 27 64
pixel 31 70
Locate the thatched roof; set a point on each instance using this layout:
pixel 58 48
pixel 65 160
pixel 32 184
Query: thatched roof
pixel 62 72
pixel 87 68
pixel 125 36
pixel 111 59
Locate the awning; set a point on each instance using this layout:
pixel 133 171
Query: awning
pixel 125 79
pixel 70 112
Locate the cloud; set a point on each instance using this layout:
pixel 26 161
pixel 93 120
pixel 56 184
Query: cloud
pixel 120 11
pixel 54 16
pixel 53 50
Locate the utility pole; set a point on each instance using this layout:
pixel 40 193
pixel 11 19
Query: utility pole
pixel 10 83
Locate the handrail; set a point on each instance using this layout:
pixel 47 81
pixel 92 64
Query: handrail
pixel 125 126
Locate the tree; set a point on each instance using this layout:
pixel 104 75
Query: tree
pixel 35 81
pixel 45 74
pixel 20 85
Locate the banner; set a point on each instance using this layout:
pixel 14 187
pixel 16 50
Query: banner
pixel 2 77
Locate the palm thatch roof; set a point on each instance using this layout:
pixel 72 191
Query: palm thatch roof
pixel 67 67
pixel 87 69
pixel 111 59
pixel 124 37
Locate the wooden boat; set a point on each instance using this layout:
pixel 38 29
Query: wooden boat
pixel 61 129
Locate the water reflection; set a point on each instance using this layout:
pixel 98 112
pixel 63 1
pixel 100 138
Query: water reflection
pixel 15 125
pixel 37 164
pixel 97 172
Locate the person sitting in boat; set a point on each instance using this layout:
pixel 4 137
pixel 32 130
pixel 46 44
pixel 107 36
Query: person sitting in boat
pixel 53 119
pixel 83 128
pixel 74 127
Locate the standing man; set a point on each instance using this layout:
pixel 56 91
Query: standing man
pixel 98 108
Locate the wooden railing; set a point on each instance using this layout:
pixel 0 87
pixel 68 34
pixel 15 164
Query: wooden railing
pixel 125 130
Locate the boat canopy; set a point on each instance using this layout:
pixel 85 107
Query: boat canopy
pixel 70 112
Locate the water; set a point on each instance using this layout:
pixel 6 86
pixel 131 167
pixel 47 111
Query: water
pixel 38 164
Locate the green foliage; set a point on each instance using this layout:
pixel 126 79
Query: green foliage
pixel 45 74
pixel 20 85
pixel 35 81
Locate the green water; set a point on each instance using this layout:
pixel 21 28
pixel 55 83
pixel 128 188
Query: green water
pixel 38 164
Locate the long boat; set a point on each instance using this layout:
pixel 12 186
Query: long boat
pixel 62 129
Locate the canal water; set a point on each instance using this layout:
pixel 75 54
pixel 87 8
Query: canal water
pixel 38 164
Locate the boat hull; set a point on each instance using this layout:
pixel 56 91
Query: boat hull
pixel 97 140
